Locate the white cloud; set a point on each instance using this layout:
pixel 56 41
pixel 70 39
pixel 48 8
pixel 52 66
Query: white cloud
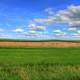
pixel 2 30
pixel 46 21
pixel 5 36
pixel 19 30
pixel 49 11
pixel 78 31
pixel 59 32
pixel 75 35
pixel 33 26
pixel 73 29
pixel 70 15
pixel 32 32
pixel 40 28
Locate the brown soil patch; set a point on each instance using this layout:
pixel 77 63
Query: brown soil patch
pixel 42 44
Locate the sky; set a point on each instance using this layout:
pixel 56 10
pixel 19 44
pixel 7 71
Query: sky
pixel 40 19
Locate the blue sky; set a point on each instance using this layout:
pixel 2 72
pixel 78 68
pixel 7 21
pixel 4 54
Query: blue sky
pixel 40 19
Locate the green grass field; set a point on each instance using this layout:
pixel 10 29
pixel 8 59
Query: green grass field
pixel 39 63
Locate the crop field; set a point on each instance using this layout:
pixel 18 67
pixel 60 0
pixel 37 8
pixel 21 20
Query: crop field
pixel 44 43
pixel 39 63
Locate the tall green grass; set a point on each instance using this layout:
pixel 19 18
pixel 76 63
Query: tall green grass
pixel 36 63
pixel 40 72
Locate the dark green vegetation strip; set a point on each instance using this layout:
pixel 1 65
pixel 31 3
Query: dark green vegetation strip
pixel 24 40
pixel 34 63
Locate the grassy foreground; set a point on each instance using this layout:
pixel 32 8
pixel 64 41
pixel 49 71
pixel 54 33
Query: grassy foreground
pixel 39 63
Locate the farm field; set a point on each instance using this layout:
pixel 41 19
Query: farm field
pixel 44 43
pixel 39 63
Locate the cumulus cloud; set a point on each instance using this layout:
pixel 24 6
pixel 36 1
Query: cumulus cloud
pixel 41 28
pixel 18 30
pixel 5 35
pixel 78 31
pixel 76 35
pixel 2 30
pixel 59 32
pixel 35 30
pixel 33 26
pixel 36 34
pixel 32 32
pixel 49 11
pixel 46 21
pixel 70 16
pixel 72 29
